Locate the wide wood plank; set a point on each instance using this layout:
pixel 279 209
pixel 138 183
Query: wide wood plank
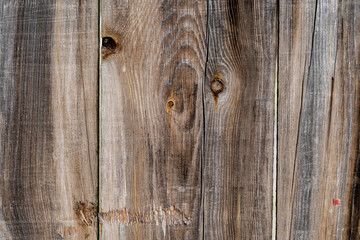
pixel 319 106
pixel 48 119
pixel 152 70
pixel 239 120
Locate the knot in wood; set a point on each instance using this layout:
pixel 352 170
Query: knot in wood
pixel 109 43
pixel 217 84
pixel 170 104
pixel 109 46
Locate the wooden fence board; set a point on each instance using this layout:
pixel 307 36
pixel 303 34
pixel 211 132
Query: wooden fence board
pixel 152 118
pixel 239 129
pixel 48 119
pixel 318 128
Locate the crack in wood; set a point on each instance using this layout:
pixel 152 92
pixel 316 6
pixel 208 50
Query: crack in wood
pixel 168 216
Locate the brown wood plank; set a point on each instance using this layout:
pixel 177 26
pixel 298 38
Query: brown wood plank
pixel 318 128
pixel 48 119
pixel 239 132
pixel 152 118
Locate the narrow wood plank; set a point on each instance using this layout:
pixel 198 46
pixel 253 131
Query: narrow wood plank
pixel 319 120
pixel 239 130
pixel 48 119
pixel 152 73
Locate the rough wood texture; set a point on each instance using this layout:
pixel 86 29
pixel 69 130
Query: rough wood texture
pixel 319 120
pixel 48 118
pixel 239 132
pixel 152 119
pixel 187 119
pixel 153 132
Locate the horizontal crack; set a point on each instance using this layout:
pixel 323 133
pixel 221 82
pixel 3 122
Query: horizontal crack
pixel 161 216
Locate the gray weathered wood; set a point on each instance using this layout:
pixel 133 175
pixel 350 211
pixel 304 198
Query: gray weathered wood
pixel 151 151
pixel 238 144
pixel 48 119
pixel 152 118
pixel 318 120
pixel 187 118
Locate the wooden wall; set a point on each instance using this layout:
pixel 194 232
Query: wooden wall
pixel 187 119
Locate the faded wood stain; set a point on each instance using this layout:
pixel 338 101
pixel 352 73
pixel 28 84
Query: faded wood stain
pixel 171 168
pixel 48 118
pixel 164 53
pixel 238 146
pixel 319 105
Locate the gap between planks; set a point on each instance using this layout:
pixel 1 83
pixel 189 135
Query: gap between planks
pixel 275 160
pixel 99 120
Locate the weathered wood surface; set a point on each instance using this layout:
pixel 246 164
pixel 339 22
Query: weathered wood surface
pixel 238 149
pixel 153 153
pixel 48 118
pixel 187 119
pixel 318 128
pixel 152 119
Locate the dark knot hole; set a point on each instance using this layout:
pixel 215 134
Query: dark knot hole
pixel 109 43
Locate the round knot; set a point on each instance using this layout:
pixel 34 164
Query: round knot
pixel 108 47
pixel 217 84
pixel 109 43
pixel 170 104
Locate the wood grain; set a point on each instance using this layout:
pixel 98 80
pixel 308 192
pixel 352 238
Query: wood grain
pixel 187 119
pixel 48 118
pixel 239 132
pixel 318 125
pixel 152 118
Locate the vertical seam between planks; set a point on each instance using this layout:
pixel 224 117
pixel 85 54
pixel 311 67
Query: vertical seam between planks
pixel 275 163
pixel 204 128
pixel 99 119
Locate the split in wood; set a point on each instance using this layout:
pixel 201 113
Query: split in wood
pixel 161 216
pixel 87 214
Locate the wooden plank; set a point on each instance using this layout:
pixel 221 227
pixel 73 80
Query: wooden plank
pixel 152 118
pixel 318 125
pixel 239 130
pixel 48 119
